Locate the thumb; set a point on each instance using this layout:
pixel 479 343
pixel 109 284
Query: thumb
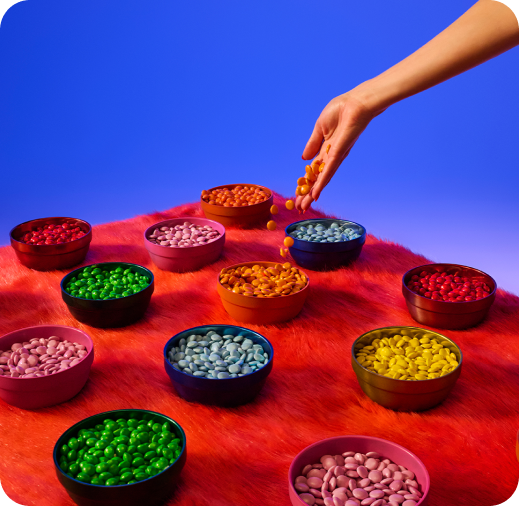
pixel 313 145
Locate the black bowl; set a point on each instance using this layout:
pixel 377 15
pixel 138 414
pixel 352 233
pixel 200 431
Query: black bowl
pixel 154 490
pixel 111 312
pixel 318 256
pixel 221 392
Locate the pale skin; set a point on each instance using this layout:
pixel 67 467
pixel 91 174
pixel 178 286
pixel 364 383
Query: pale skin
pixel 486 30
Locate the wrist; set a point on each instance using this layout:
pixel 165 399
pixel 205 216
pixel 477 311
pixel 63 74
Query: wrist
pixel 375 96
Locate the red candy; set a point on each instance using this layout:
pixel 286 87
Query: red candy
pixel 54 234
pixel 448 287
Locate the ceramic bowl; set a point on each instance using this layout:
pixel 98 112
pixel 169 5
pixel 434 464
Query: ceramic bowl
pixel 154 490
pixel 361 444
pixel 249 216
pixel 48 257
pixel 185 259
pixel 261 310
pixel 222 392
pixel 448 315
pixel 34 393
pixel 319 256
pixel 403 395
pixel 111 312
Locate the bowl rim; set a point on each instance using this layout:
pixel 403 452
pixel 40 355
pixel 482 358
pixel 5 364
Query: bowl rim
pixel 408 290
pixel 259 262
pixel 55 450
pixel 406 327
pixel 364 233
pixel 90 352
pixel 89 231
pixel 233 186
pixel 269 361
pixel 218 225
pixel 426 487
pixel 102 263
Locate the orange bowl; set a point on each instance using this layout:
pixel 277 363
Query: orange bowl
pixel 239 216
pixel 261 310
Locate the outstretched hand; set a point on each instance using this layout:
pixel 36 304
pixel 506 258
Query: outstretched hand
pixel 339 126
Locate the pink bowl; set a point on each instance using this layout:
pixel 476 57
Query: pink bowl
pixel 362 444
pixel 34 393
pixel 185 259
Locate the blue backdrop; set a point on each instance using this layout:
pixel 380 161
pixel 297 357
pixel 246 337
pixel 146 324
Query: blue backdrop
pixel 110 109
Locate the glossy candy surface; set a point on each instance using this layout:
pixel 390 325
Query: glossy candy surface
pixel 59 233
pixel 185 235
pixel 237 196
pixel 327 231
pixel 95 282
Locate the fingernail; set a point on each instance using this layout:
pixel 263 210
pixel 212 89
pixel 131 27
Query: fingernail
pixel 303 157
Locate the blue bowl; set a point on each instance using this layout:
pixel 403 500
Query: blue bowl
pixel 220 392
pixel 319 256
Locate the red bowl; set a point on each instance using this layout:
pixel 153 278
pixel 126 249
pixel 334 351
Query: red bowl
pixel 248 216
pixel 448 315
pixel 362 444
pixel 185 259
pixel 34 393
pixel 49 257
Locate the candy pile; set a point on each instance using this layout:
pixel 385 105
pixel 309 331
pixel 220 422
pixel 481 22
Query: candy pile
pixel 40 357
pixel 54 233
pixel 448 287
pixel 408 358
pixel 184 236
pixel 94 282
pixel 261 281
pixel 217 357
pixel 305 183
pixel 239 196
pixel 120 452
pixel 354 479
pixel 321 232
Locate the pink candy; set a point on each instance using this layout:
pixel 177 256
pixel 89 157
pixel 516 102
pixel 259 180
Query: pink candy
pixel 184 236
pixel 378 482
pixel 40 357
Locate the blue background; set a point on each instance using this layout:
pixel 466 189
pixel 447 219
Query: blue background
pixel 109 109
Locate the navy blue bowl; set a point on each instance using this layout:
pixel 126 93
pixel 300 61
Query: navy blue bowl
pixel 220 392
pixel 153 491
pixel 318 256
pixel 111 312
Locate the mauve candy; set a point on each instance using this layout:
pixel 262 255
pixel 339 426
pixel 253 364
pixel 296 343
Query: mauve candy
pixel 411 483
pixel 350 466
pixel 314 482
pixel 375 476
pixel 348 454
pixel 411 497
pixel 328 501
pixel 352 484
pixel 378 502
pixel 341 495
pixel 387 473
pixel 377 494
pixel 337 501
pixel 320 473
pixel 351 502
pixel 301 479
pixel 301 487
pixel 342 481
pixel 409 502
pixel 317 466
pixel 368 501
pixel 339 471
pixel 393 467
pixel 315 493
pixel 399 499
pixel 329 462
pixel 339 459
pixel 360 493
pixel 364 483
pixel 409 475
pixel 333 484
pixel 414 491
pixel 371 464
pixel 307 498
pixel 363 471
pixel 352 474
pixel 360 458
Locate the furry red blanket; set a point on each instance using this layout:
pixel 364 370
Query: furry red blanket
pixel 241 456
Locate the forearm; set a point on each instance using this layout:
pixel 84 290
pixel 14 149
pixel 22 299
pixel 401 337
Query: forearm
pixel 486 30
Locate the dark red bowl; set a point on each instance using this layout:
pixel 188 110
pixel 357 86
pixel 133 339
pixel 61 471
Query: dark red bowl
pixel 112 312
pixel 49 257
pixel 448 315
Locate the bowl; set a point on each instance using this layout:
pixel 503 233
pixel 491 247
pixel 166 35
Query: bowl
pixel 34 393
pixel 448 315
pixel 318 256
pixel 221 392
pixel 185 259
pixel 403 395
pixel 362 444
pixel 152 491
pixel 48 257
pixel 260 310
pixel 111 312
pixel 249 216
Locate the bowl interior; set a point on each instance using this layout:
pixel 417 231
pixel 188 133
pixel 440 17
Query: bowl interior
pixel 108 265
pixel 367 338
pixel 326 221
pixel 125 414
pixel 180 221
pixel 231 186
pixel 21 229
pixel 222 330
pixel 362 444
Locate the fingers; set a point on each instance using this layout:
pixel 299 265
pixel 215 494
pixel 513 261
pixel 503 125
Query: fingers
pixel 314 143
pixel 330 168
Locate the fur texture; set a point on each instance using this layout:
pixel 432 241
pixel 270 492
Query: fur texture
pixel 241 456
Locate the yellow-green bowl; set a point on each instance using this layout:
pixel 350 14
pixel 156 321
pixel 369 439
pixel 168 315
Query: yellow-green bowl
pixel 404 395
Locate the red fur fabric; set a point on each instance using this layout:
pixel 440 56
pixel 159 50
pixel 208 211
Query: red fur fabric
pixel 241 456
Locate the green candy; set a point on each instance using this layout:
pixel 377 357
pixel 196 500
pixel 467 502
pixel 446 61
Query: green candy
pixel 150 455
pixel 105 476
pixel 112 481
pixel 126 477
pixel 102 467
pixel 74 468
pixel 84 477
pixel 141 476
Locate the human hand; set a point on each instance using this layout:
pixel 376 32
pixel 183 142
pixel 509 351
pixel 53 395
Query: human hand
pixel 339 126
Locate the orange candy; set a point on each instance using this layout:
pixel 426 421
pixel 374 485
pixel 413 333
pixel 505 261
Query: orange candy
pixel 283 252
pixel 328 148
pixel 288 242
pixel 271 225
pixel 274 209
pixel 239 196
pixel 289 204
